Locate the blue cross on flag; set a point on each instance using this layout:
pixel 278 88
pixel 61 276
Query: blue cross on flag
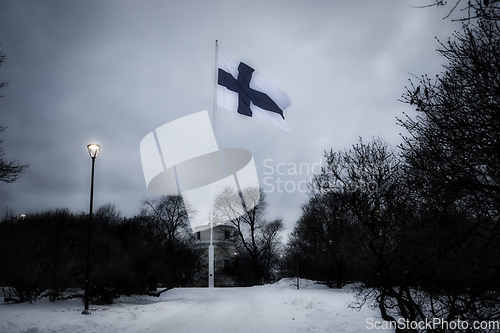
pixel 243 89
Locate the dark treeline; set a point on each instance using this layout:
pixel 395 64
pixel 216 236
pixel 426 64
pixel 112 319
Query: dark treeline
pixel 416 228
pixel 44 254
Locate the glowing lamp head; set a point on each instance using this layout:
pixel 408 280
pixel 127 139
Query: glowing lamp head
pixel 93 149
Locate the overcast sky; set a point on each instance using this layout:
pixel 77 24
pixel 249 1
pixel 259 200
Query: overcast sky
pixel 110 72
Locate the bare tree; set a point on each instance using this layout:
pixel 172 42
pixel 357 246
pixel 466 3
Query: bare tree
pixel 454 136
pixel 452 161
pixel 322 242
pixel 474 9
pixel 168 216
pixel 2 59
pixel 9 170
pixel 365 192
pixel 258 238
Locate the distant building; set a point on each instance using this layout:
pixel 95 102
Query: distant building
pixel 224 254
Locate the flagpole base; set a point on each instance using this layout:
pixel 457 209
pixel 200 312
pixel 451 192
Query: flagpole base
pixel 211 266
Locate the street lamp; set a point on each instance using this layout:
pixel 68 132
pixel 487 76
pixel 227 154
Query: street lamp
pixel 93 151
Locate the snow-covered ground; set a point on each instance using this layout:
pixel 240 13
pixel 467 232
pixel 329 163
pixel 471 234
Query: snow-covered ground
pixel 271 308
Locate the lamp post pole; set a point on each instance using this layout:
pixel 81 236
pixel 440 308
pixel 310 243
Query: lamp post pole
pixel 93 151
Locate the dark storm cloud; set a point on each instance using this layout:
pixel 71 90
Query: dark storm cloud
pixel 112 71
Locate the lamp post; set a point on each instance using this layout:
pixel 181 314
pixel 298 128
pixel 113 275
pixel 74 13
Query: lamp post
pixel 93 151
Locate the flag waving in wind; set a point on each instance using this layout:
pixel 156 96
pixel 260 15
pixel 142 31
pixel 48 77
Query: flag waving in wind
pixel 243 89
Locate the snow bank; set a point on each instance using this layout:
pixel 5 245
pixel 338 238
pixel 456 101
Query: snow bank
pixel 291 283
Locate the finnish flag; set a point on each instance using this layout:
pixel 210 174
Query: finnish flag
pixel 244 90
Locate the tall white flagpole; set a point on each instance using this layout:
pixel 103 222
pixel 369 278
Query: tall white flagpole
pixel 211 256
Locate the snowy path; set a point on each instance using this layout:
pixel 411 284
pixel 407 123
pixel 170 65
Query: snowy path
pixel 274 309
pixel 240 310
